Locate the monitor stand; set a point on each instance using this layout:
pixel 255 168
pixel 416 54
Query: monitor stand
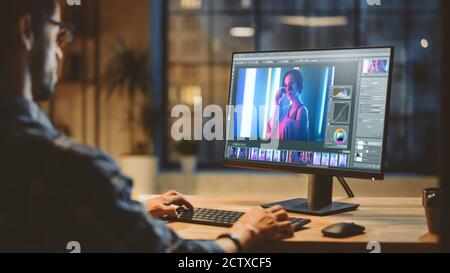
pixel 319 202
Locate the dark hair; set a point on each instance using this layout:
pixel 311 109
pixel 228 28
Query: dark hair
pixel 298 77
pixel 11 11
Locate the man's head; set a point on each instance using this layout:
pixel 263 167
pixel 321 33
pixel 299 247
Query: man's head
pixel 29 33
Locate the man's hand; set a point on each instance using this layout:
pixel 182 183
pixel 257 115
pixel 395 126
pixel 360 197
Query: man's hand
pixel 261 224
pixel 166 204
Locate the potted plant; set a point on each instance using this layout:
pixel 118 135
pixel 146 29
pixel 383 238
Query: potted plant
pixel 187 150
pixel 128 74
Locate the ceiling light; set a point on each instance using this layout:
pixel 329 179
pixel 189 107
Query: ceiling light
pixel 424 43
pixel 242 32
pixel 329 21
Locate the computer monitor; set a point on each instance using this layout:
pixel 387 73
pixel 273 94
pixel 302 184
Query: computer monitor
pixel 319 112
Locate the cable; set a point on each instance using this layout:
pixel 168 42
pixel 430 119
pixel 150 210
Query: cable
pixel 346 187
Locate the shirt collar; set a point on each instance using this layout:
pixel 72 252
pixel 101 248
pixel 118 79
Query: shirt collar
pixel 18 109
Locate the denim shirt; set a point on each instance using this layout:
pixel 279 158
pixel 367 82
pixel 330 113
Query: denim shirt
pixel 55 191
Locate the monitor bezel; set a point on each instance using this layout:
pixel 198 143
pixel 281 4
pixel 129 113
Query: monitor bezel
pixel 362 174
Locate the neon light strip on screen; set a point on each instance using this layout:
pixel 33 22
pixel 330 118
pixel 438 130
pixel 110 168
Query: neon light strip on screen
pixel 249 96
pixel 269 86
pixel 273 82
pixel 325 94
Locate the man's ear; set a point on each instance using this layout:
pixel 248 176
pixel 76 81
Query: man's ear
pixel 25 32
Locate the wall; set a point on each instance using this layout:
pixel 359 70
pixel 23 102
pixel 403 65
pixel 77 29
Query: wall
pixel 130 21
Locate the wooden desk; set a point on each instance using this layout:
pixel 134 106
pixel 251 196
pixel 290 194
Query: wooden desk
pixel 399 224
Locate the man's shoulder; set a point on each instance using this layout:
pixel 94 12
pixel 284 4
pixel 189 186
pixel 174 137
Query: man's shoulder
pixel 41 141
pixel 68 145
pixel 79 159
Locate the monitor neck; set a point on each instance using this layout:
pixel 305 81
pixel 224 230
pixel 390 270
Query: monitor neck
pixel 320 191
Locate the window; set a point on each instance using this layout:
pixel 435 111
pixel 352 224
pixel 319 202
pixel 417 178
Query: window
pixel 203 34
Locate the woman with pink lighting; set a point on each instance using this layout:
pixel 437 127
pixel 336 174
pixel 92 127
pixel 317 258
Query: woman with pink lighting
pixel 377 66
pixel 292 122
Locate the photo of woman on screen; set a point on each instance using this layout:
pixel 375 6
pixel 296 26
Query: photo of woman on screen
pixel 293 120
pixel 377 66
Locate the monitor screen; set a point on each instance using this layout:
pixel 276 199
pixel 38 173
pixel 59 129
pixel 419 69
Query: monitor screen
pixel 317 111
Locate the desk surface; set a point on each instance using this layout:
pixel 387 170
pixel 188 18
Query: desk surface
pixel 399 225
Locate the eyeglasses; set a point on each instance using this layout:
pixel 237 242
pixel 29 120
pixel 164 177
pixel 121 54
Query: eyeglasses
pixel 290 86
pixel 66 33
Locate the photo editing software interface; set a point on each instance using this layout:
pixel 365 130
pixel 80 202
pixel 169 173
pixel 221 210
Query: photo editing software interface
pixel 326 108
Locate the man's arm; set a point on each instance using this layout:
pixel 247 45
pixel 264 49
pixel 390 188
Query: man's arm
pixel 111 220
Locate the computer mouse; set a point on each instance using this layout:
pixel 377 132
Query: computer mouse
pixel 343 230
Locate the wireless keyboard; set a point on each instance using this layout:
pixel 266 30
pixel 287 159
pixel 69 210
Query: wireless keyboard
pixel 221 218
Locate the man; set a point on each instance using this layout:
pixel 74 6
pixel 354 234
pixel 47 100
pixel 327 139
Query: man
pixel 54 190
